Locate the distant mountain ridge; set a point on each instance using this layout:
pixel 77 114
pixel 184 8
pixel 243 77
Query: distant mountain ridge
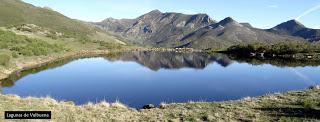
pixel 159 29
pixel 295 28
pixel 229 32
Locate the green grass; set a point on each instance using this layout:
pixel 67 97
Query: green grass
pixel 38 45
pixel 15 13
pixel 311 103
pixel 27 49
pixel 4 59
pixel 25 46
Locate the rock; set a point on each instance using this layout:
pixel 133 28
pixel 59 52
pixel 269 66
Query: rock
pixel 208 118
pixel 247 99
pixel 174 120
pixel 149 106
pixel 163 106
pixel 315 87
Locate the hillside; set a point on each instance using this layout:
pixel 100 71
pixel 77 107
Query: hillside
pixel 229 32
pixel 30 36
pixel 16 12
pixel 156 28
pixel 199 31
pixel 295 28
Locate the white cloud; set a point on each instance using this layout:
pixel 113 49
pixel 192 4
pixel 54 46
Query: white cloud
pixel 315 8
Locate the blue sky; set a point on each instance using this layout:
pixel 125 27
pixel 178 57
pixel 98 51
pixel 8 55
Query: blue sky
pixel 260 13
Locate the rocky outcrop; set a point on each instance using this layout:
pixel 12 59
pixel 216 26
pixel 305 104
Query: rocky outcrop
pixel 156 28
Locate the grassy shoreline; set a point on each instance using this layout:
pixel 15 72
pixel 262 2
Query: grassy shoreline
pixel 39 61
pixel 297 51
pixel 303 105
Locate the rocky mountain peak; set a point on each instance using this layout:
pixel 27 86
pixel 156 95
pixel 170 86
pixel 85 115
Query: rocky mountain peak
pixel 205 18
pixel 153 13
pixel 110 19
pixel 295 28
pixel 291 25
pixel 295 22
pixel 227 21
pixel 247 24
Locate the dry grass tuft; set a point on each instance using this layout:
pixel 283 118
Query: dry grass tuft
pixel 118 104
pixel 104 104
pixel 256 109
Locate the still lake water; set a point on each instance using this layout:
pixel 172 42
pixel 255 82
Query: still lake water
pixel 140 78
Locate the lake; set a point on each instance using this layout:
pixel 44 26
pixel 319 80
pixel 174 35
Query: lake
pixel 140 78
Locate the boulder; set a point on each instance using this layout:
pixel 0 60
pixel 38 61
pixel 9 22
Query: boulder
pixel 315 87
pixel 149 106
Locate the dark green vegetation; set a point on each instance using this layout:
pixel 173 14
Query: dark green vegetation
pixel 102 44
pixel 292 106
pixel 281 62
pixel 22 45
pixel 274 49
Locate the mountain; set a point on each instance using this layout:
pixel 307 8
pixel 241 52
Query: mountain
pixel 156 28
pixel 17 12
pixel 199 31
pixel 229 32
pixel 295 28
pixel 173 60
pixel 115 25
pixel 247 25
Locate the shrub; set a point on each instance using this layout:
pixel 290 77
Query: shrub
pixel 108 45
pixel 4 59
pixel 280 48
pixel 309 103
pixel 38 48
pixel 22 45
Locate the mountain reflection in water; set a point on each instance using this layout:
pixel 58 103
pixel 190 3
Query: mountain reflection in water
pixel 139 78
pixel 173 60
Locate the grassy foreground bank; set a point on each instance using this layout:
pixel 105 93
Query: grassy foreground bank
pixel 291 106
